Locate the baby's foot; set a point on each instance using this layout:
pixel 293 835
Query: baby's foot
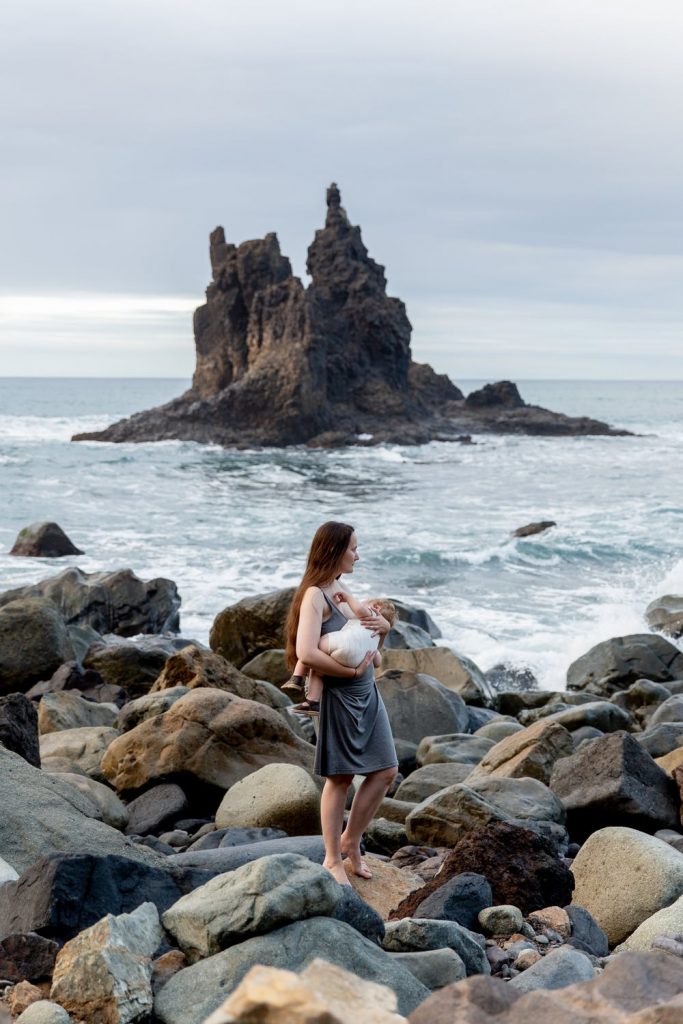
pixel 356 863
pixel 336 869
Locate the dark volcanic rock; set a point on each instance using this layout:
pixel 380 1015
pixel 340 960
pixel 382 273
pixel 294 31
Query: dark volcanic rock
pixel 504 393
pixel 459 899
pixel 253 625
pixel 133 665
pixel 61 895
pixel 614 781
pixel 521 867
pixel 531 529
pixel 110 602
pixel 279 364
pixel 44 540
pixel 69 676
pixel 587 935
pixel 27 957
pixel 614 664
pixel 19 727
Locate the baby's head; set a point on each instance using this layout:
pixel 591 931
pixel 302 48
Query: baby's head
pixel 385 608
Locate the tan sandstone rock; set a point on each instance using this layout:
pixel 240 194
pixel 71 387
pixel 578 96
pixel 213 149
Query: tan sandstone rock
pixel 531 752
pixel 210 734
pixel 66 709
pixel 671 761
pixel 23 995
pixel 387 887
pixel 194 667
pixel 457 674
pixel 276 796
pixel 83 748
pixel 322 994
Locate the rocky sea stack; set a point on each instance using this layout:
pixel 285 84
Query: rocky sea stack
pixel 328 364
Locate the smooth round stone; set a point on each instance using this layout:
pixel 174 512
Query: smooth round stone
pixel 502 920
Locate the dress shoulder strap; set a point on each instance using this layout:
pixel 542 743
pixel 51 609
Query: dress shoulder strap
pixel 329 601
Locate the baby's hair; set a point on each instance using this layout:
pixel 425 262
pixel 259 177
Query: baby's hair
pixel 388 608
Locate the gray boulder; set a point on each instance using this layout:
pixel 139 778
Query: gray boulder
pixel 412 934
pixel 458 748
pixel 156 809
pixel 151 704
pixel 430 779
pixel 670 710
pixel 231 857
pixel 417 617
pixel 195 992
pixel 614 781
pixel 561 967
pixel 586 934
pixel 435 968
pixel 599 714
pixel 524 799
pixel 69 710
pixel 33 642
pixel 418 705
pixel 132 664
pixel 661 739
pixel 44 540
pixel 44 1011
pixel 665 615
pixel 614 664
pixel 405 637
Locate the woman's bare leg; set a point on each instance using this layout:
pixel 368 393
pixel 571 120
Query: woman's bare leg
pixel 367 799
pixel 332 804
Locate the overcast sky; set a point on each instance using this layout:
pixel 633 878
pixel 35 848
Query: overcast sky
pixel 515 164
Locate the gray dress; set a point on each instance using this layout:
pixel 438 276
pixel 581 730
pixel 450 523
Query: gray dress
pixel 354 735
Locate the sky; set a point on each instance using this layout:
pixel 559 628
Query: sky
pixel 515 166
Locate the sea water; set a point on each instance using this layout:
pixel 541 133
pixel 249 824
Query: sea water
pixel 434 523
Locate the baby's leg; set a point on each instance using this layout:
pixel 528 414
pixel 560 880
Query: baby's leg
pixel 300 670
pixel 314 687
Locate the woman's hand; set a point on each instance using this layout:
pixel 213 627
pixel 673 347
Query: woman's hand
pixel 376 623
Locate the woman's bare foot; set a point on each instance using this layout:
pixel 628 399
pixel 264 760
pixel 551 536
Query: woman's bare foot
pixel 336 869
pixel 353 856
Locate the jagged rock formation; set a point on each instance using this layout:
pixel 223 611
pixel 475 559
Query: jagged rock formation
pixel 280 364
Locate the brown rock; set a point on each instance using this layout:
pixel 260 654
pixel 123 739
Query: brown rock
pixel 21 996
pixel 44 540
pixel 533 528
pixel 165 966
pixel 252 626
pixel 531 752
pixel 209 736
pixel 194 667
pixel 551 917
pixel 27 957
pixel 476 1000
pixel 388 886
pixel 458 674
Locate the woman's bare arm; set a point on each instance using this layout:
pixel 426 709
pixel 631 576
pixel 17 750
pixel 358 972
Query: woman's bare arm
pixel 308 638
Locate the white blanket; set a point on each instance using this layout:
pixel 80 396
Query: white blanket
pixel 351 643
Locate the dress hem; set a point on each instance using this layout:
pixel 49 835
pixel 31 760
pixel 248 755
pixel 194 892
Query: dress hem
pixel 355 771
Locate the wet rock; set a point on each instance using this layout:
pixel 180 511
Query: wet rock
pixel 599 714
pixel 453 748
pixel 252 900
pixel 198 990
pixel 531 529
pixel 613 781
pixel 417 617
pixel 404 636
pixel 33 642
pixel 455 672
pixel 19 727
pixel 208 736
pixel 194 666
pixel 104 973
pixel 623 877
pixel 502 393
pixel 26 957
pixel 418 705
pixel 415 934
pixel 133 665
pixel 557 969
pixel 353 910
pixel 83 748
pixel 665 615
pixel 252 626
pixel 69 710
pixel 614 664
pixel 532 753
pixel 430 779
pixel 462 899
pixel 110 602
pixel 44 540
pixel 503 920
pixel 156 809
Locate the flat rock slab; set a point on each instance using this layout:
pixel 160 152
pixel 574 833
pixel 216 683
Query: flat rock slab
pixel 231 857
pixel 387 887
pixel 192 994
pixel 415 934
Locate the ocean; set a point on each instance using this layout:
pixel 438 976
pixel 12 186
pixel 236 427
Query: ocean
pixel 434 522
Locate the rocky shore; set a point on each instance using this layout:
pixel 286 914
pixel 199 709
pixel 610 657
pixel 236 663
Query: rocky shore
pixel 160 849
pixel 327 365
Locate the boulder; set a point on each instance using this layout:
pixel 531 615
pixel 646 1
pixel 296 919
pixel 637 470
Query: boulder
pixel 133 665
pixel 532 752
pixel 191 994
pixel 599 714
pixel 33 642
pixel 227 858
pixel 521 867
pixel 477 1000
pixel 448 815
pixel 403 636
pixel 208 736
pixel 503 393
pixel 43 815
pixel 667 921
pixel 531 529
pixel 456 673
pixel 281 796
pixel 613 781
pixel 104 974
pixel 27 957
pixel 462 899
pixel 453 748
pixel 19 727
pixel 430 779
pixel 661 739
pixel 252 900
pixel 665 615
pixel 269 665
pixel 353 910
pixel 322 992
pixel 69 710
pixel 415 935
pixel 503 920
pixel 387 887
pixel 44 1011
pixel 641 698
pixel 385 837
pixel 156 809
pixel 586 933
pixel 69 676
pixel 614 664
pixel 43 540
pixel 670 710
pixel 623 877
pixel 416 617
pixel 557 969
pixel 20 997
pixel 498 730
pixel 194 666
pixel 522 799
pixel 551 921
pixel 60 895
pixel 110 808
pixel 253 625
pixel 418 705
pixel 110 602
pixel 136 711
pixel 433 967
pixel 83 748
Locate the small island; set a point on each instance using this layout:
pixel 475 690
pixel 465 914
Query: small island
pixel 328 364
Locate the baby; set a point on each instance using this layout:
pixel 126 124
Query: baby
pixel 347 645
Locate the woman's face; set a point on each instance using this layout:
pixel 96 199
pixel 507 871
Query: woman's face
pixel 351 555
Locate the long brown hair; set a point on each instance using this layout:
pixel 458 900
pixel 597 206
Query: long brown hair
pixel 324 560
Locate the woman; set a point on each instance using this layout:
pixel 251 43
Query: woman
pixel 354 737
